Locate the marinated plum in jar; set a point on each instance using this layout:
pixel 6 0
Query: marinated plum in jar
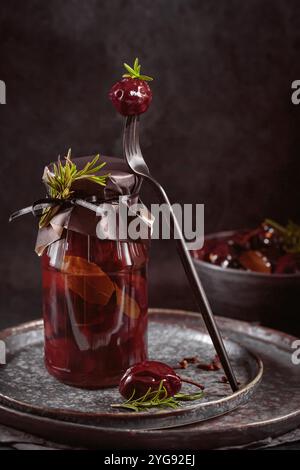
pixel 95 308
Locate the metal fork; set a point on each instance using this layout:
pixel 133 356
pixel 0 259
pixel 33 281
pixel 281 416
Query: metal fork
pixel 136 162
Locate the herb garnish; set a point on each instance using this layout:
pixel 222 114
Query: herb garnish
pixel 60 181
pixel 157 399
pixel 290 234
pixel 135 71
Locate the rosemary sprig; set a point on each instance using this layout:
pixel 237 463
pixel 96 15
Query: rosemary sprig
pixel 189 397
pixel 290 234
pixel 135 71
pixel 156 399
pixel 60 181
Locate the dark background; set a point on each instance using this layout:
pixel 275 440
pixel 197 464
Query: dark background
pixel 221 130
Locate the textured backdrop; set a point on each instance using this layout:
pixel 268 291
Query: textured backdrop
pixel 221 129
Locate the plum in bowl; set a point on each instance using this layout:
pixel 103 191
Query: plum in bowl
pixel 254 275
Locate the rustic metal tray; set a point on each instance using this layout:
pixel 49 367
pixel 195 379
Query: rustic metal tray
pixel 26 386
pixel 275 409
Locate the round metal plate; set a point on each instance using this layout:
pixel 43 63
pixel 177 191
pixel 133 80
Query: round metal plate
pixel 274 411
pixel 26 386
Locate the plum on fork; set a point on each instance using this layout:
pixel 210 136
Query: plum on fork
pixel 131 95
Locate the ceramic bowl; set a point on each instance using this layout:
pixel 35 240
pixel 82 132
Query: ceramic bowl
pixel 270 299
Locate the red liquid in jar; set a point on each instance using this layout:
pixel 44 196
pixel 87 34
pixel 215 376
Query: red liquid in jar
pixel 95 309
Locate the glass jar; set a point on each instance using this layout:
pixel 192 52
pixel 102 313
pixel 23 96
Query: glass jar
pixel 95 308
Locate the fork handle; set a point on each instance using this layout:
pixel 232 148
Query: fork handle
pixel 198 289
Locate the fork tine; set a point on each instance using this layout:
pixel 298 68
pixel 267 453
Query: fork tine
pixel 131 136
pixel 136 125
pixel 137 148
pixel 126 138
pixel 131 146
